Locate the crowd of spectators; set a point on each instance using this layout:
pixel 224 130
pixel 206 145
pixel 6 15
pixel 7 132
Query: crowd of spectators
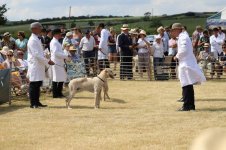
pixel 102 46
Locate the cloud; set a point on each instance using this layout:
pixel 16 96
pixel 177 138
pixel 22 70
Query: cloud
pixel 37 9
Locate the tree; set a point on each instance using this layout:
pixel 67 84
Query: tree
pixel 3 18
pixel 91 23
pixel 156 23
pixel 147 16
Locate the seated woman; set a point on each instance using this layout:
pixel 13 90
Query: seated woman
pixel 12 63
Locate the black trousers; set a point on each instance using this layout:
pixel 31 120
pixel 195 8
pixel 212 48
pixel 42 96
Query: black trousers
pixel 188 96
pixel 57 89
pixel 34 92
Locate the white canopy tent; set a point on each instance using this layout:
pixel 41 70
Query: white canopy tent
pixel 217 20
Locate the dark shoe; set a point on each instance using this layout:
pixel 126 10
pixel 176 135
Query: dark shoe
pixel 192 107
pixel 34 107
pixel 61 96
pixel 55 96
pixel 183 109
pixel 41 105
pixel 181 100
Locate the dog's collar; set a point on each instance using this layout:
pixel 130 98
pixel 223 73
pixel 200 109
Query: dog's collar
pixel 100 79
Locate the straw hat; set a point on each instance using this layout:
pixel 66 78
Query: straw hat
pixel 69 34
pixel 143 33
pixel 4 50
pixel 72 48
pixel 206 45
pixel 133 31
pixel 160 28
pixel 157 37
pixel 177 26
pixel 125 27
pixel 6 34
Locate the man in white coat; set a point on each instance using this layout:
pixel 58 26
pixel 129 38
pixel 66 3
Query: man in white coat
pixel 189 72
pixel 103 48
pixel 58 70
pixel 36 65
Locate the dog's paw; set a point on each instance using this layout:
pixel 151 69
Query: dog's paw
pixel 69 108
pixel 96 107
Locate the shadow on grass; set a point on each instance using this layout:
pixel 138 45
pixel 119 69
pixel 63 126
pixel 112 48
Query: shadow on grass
pixel 10 108
pixel 212 100
pixel 212 109
pixel 115 100
pixel 73 107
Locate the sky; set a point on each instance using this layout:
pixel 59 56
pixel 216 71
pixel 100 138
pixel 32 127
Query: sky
pixel 38 9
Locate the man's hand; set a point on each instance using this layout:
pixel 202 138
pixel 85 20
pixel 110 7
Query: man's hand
pixel 175 58
pixel 51 63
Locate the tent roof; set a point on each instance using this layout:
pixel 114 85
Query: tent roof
pixel 219 19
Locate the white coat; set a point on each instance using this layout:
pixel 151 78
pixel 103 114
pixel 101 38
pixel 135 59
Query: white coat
pixel 103 54
pixel 58 56
pixel 216 45
pixel 189 72
pixel 36 59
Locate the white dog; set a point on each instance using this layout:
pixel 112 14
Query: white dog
pixel 92 85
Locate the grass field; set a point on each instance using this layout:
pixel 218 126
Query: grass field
pixel 141 116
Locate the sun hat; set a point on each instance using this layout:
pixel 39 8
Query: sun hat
pixel 177 26
pixel 6 34
pixel 69 34
pixel 72 48
pixel 157 37
pixel 143 33
pixel 133 31
pixel 125 27
pixel 160 28
pixel 206 45
pixel 4 50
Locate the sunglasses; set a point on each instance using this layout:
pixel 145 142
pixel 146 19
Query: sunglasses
pixel 10 55
pixel 224 47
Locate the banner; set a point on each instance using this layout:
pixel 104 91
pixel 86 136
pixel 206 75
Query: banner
pixel 5 89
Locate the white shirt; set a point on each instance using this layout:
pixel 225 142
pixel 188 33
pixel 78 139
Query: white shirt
pixel 36 59
pixel 142 43
pixel 23 63
pixel 222 36
pixel 216 45
pixel 103 45
pixel 87 44
pixel 158 50
pixel 165 40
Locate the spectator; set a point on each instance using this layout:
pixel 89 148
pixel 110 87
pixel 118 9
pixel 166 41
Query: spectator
pixel 221 34
pixel 7 41
pixel 46 38
pixel 87 46
pixel 112 48
pixel 205 57
pixel 21 43
pixel 144 54
pixel 216 43
pixel 68 38
pixel 134 38
pixel 158 55
pixel 197 34
pixel 126 54
pixel 203 40
pixel 223 58
pixel 3 53
pixel 173 52
pixel 165 39
pixel 103 48
pixel 77 36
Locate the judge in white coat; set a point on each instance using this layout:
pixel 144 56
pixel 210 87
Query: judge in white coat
pixel 216 42
pixel 58 70
pixel 36 65
pixel 189 72
pixel 103 48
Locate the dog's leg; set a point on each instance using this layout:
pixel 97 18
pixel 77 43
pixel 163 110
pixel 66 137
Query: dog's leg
pixel 97 93
pixel 71 95
pixel 105 88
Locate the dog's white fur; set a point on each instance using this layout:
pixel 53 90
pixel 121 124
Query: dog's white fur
pixel 94 85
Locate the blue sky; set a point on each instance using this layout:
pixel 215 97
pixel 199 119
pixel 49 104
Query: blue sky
pixel 37 9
